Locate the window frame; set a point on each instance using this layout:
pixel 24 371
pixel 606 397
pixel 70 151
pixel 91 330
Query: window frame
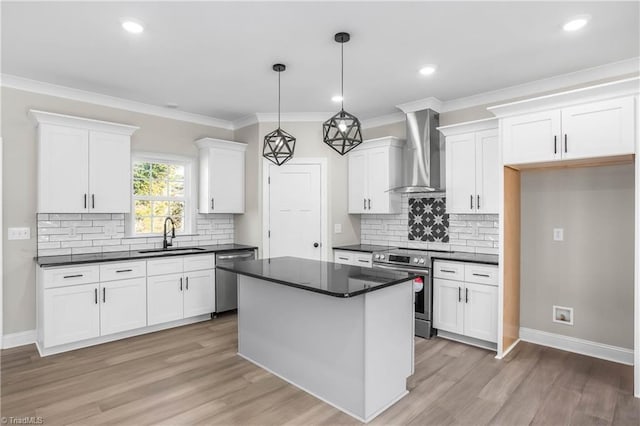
pixel 189 191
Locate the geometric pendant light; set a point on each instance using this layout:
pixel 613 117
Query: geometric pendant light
pixel 278 145
pixel 342 131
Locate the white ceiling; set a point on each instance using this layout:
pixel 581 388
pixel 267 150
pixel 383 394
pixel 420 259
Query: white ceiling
pixel 214 58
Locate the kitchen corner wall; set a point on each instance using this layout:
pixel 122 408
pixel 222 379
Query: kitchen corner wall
pixel 156 134
pixel 471 233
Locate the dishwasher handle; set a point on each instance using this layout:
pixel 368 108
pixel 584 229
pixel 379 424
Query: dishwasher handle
pixel 235 256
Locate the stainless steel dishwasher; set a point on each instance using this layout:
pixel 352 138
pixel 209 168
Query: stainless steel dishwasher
pixel 227 282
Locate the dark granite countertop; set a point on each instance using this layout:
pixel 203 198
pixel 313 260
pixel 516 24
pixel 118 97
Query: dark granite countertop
pixel 489 259
pixel 77 259
pixel 365 248
pixel 327 278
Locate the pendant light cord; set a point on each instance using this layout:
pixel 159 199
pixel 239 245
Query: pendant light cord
pixel 279 99
pixel 342 75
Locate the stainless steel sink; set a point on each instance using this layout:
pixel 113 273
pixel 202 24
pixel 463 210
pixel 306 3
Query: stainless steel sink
pixel 171 250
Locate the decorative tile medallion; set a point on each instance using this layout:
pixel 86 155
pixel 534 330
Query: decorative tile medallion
pixel 428 220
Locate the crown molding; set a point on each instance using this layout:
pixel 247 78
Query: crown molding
pixel 383 120
pixel 44 117
pixel 205 143
pixel 25 84
pixel 469 126
pixel 431 103
pixel 245 121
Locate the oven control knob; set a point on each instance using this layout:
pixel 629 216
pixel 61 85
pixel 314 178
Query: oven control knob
pixel 421 261
pixel 382 256
pixel 415 260
pixel 377 256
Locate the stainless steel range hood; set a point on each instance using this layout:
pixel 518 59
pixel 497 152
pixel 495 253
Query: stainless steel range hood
pixel 423 156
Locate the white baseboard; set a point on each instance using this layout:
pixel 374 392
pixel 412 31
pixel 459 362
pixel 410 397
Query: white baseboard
pixel 19 339
pixel 580 346
pixel 509 349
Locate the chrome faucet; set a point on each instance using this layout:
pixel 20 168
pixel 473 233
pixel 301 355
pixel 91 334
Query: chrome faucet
pixel 165 243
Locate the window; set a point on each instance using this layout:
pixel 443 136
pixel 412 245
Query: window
pixel 160 189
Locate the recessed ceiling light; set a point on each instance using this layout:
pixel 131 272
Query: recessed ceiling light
pixel 428 69
pixel 337 98
pixel 132 26
pixel 576 23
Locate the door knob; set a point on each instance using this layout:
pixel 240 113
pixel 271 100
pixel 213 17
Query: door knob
pixel 316 244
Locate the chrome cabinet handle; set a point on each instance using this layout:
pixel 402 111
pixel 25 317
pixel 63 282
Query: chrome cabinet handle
pixel 104 295
pixel 471 198
pixel 124 270
pixel 187 279
pixel 369 203
pixel 212 204
pixel 74 276
pixel 93 201
pixel 343 258
pixel 95 295
pixel 466 295
pixel 180 284
pixel 448 271
pixel 363 261
pixel 478 202
pixel 85 201
pixel 459 294
pixel 365 203
pixel 480 275
pixel 565 142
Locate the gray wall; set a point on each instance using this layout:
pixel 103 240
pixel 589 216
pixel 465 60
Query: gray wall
pixel 592 269
pixel 19 176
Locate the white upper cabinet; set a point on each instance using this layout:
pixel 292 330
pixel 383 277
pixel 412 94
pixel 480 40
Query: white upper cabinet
pixel 84 165
pixel 589 123
pixel 222 170
pixel 374 169
pixel 472 166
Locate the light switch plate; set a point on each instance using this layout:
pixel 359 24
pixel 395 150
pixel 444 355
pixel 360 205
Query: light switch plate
pixel 19 233
pixel 337 228
pixel 558 234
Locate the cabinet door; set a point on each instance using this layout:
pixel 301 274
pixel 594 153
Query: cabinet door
pixel 71 314
pixel 226 181
pixel 447 305
pixel 598 129
pixel 357 181
pixel 531 138
pixel 461 175
pixel 199 293
pixel 164 298
pixel 63 169
pixel 488 168
pixel 123 305
pixel 109 173
pixel 378 195
pixel 481 311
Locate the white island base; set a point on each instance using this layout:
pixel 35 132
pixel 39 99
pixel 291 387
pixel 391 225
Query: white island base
pixel 353 353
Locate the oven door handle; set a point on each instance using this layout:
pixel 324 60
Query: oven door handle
pixel 419 271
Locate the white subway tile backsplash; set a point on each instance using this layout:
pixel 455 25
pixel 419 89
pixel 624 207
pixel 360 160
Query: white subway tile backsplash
pixel 65 216
pixel 473 233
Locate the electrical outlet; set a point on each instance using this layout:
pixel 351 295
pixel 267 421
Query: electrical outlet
pixel 18 233
pixel 558 234
pixel 337 228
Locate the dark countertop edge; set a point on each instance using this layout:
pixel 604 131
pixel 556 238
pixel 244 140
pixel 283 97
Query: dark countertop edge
pixel 352 247
pixel 136 256
pixel 483 261
pixel 410 277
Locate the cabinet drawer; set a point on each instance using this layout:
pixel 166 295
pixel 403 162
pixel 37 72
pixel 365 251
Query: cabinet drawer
pixel 123 270
pixel 198 263
pixel 363 259
pixel 481 274
pixel 344 257
pixel 172 265
pixel 60 277
pixel 448 270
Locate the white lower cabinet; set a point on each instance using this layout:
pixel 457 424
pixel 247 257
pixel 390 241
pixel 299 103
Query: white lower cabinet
pixel 71 314
pixel 465 307
pixel 80 303
pixel 354 258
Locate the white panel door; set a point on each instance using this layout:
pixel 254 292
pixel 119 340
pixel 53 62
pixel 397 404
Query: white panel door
pixel 598 129
pixel 199 293
pixel 481 311
pixel 123 305
pixel 447 305
pixel 71 314
pixel 488 169
pixel 164 298
pixel 295 211
pixel 461 173
pixel 63 169
pixel 226 174
pixel 532 138
pixel 357 181
pixel 377 179
pixel 109 173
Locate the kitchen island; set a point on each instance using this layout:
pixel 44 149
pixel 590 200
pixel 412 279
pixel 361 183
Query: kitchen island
pixel 341 333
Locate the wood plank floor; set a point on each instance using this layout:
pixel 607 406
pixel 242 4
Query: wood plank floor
pixel 192 375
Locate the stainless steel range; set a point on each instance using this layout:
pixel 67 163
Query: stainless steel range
pixel 416 262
